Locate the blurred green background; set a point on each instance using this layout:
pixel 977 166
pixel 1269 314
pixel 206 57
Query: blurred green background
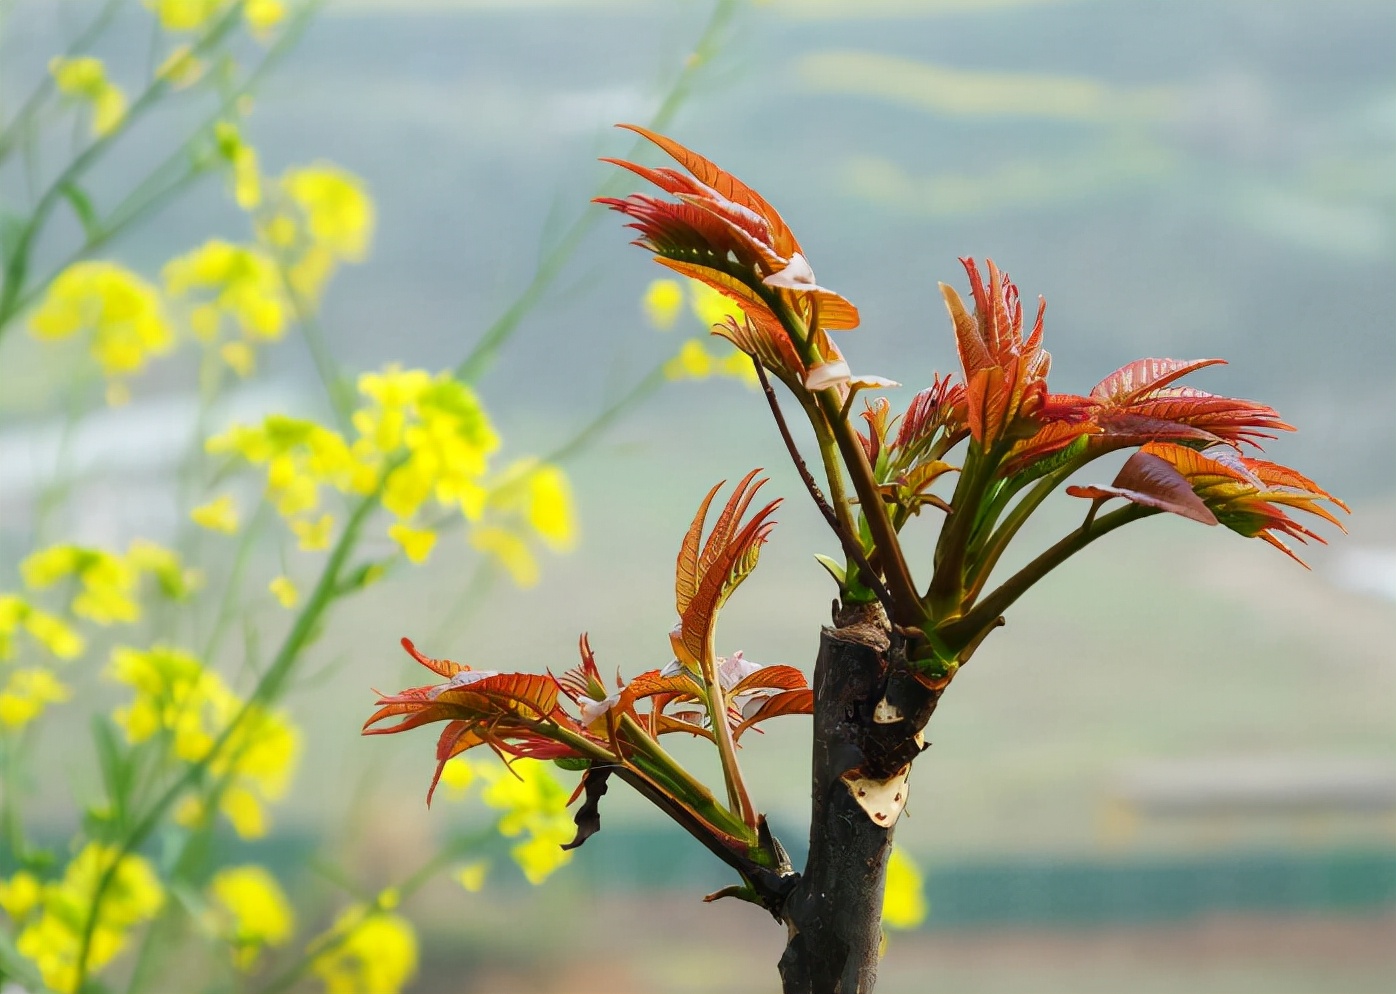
pixel 1175 769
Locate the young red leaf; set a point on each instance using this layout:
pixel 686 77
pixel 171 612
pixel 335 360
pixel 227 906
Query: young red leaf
pixel 788 702
pixel 1148 480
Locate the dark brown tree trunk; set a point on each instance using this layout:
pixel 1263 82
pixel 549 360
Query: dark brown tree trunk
pixel 868 712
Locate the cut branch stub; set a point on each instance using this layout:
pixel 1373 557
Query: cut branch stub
pixel 882 800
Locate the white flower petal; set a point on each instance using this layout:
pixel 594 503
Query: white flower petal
pixel 826 375
pixel 797 275
pixel 462 679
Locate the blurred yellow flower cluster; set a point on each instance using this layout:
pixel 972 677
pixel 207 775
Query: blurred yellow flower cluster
pixel 249 911
pixel 47 630
pixel 101 586
pixel 534 805
pixel 176 696
pixel 121 311
pixel 242 159
pixel 106 585
pixel 425 443
pixel 319 217
pixel 51 915
pixel 237 282
pixel 903 898
pixel 368 949
pixel 26 692
pixel 531 803
pixel 696 359
pixel 192 15
pixel 84 80
pixel 301 457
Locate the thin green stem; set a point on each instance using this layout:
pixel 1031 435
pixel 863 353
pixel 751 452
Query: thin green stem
pixel 646 387
pixel 737 796
pixel 551 263
pixel 964 630
pixel 14 298
pixel 10 749
pixel 227 604
pixel 694 791
pixel 944 596
pixel 898 577
pixel 1001 537
pixel 17 267
pixel 337 388
pixel 267 689
pixel 10 132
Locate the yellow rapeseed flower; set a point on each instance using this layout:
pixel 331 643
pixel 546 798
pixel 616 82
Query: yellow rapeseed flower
pixel 242 159
pixel 150 559
pixel 243 283
pixel 244 811
pixel 26 694
pixel 184 15
pixel 314 535
pixel 120 310
pixel 175 694
pixel 550 507
pixel 263 16
pixel 510 551
pixel 472 875
pixel 457 776
pixel 449 439
pixel 691 363
pixel 416 542
pixel 337 209
pixel 662 302
pixel 284 591
pixel 367 951
pixel 85 79
pixel 299 455
pixel 107 582
pixel 539 494
pixel 903 899
pixel 19 895
pixel 694 361
pixel 711 306
pixel 250 912
pixel 534 804
pixel 49 631
pixel 239 356
pixel 220 515
pixel 52 938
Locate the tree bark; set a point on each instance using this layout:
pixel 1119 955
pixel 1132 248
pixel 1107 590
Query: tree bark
pixel 834 913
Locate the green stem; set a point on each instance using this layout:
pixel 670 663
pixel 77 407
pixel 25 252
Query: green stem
pixel 551 264
pixel 10 743
pixel 337 388
pixel 10 132
pixel 833 469
pixel 692 790
pixel 737 796
pixel 898 577
pixel 13 297
pixel 1000 539
pixel 325 943
pixel 228 602
pixel 945 593
pixel 267 689
pixel 964 630
pixel 18 264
